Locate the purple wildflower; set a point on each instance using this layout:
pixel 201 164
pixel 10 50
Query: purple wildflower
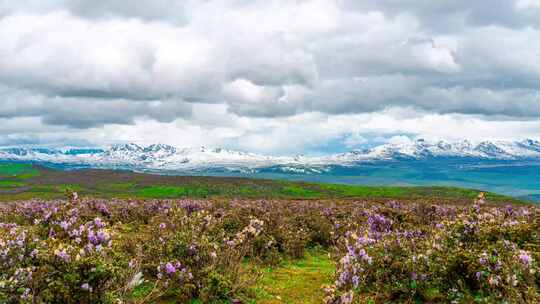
pixel 355 281
pixel 102 236
pixel 64 225
pixel 170 269
pixel 63 255
pixel 525 258
pixel 92 238
pixel 509 210
pixel 478 275
pixel 99 223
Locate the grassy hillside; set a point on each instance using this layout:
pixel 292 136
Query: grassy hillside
pixel 24 181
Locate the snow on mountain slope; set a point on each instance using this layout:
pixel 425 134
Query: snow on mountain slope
pixel 422 149
pixel 157 156
pixel 165 157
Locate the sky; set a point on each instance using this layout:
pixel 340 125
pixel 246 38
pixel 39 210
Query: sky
pixel 268 76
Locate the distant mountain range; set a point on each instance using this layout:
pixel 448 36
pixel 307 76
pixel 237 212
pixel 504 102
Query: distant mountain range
pixel 160 157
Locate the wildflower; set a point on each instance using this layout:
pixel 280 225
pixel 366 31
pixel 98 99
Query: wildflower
pixel 355 280
pixel 365 257
pixel 379 223
pixel 26 294
pixel 102 236
pixel 509 210
pixel 86 287
pixel 64 225
pixel 162 226
pixel 170 269
pixel 347 298
pixel 99 223
pixel 92 238
pixel 483 259
pixel 34 253
pixel 478 275
pixel 343 278
pixel 525 258
pixel 62 254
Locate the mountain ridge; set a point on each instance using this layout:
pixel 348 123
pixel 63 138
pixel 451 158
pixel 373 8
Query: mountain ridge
pixel 167 157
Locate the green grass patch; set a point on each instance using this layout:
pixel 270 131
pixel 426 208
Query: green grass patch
pixel 364 191
pixel 300 191
pixel 297 281
pixel 17 170
pixel 196 191
pixel 11 184
pixel 142 290
pixel 162 192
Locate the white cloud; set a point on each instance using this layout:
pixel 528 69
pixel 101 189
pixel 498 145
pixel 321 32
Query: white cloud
pixel 272 76
pixel 354 140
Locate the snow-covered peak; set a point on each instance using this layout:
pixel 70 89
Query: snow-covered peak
pixel 166 157
pixel 423 149
pixel 131 147
pixel 160 148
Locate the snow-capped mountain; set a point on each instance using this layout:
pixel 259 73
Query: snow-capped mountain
pixel 165 157
pixel 153 157
pixel 422 149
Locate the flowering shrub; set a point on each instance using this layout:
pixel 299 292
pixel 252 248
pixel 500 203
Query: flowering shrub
pixel 110 251
pixel 452 254
pixel 61 257
pixel 131 251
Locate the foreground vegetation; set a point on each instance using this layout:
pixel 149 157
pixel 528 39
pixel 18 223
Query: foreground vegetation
pixel 124 237
pixel 247 251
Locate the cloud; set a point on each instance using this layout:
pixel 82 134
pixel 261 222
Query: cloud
pixel 87 112
pixel 169 10
pixel 89 66
pixel 354 140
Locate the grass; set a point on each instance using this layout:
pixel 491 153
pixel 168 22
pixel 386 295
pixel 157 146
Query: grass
pixel 298 190
pixel 297 281
pixel 17 170
pixel 11 184
pixel 365 191
pixel 20 181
